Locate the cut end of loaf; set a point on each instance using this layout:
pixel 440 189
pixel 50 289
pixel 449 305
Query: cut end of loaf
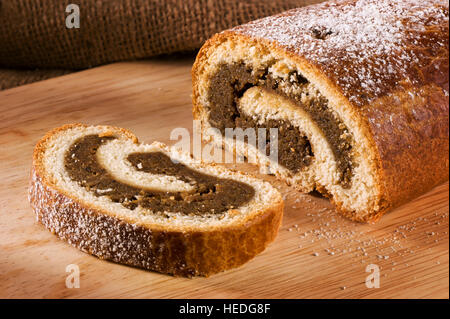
pixel 141 226
pixel 331 150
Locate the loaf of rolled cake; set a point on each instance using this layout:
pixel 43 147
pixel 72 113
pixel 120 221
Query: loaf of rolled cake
pixel 357 89
pixel 149 206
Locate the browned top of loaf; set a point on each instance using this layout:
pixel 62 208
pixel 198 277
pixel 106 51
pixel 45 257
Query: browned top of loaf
pixel 369 48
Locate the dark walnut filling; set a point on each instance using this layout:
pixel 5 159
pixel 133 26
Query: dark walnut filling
pixel 210 195
pixel 229 84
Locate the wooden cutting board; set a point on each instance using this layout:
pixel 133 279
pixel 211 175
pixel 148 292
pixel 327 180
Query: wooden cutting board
pixel 317 254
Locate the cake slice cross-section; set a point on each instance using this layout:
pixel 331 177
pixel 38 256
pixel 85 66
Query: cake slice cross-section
pixel 149 205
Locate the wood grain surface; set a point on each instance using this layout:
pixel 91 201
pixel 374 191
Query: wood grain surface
pixel 317 254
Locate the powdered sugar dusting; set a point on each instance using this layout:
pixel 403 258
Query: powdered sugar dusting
pixel 366 47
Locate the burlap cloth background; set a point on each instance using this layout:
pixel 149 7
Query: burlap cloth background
pixel 35 43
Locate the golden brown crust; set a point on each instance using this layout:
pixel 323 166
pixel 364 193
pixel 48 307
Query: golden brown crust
pixel 361 39
pixel 412 142
pixel 180 253
pixel 399 102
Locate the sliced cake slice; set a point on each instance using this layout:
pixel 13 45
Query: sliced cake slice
pixel 149 206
